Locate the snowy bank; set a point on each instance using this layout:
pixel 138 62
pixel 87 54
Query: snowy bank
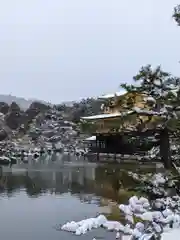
pixel 144 219
pixel 171 235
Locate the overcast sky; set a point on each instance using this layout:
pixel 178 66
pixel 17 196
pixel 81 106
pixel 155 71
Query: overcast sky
pixel 59 50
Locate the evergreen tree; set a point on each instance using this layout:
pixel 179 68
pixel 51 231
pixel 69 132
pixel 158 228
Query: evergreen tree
pixel 161 93
pixel 176 14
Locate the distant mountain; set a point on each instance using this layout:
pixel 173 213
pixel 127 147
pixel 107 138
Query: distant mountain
pixel 22 102
pixel 69 103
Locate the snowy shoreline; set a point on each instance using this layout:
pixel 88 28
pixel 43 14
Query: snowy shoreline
pixel 145 220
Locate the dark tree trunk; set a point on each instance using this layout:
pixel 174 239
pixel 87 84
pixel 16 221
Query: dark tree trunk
pixel 165 148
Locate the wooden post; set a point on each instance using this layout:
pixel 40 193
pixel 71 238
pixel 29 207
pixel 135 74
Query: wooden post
pixel 97 156
pixel 165 148
pixel 97 149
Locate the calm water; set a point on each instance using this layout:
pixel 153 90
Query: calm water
pixel 35 198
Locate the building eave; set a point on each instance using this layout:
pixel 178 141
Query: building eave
pixel 92 138
pixel 107 116
pixel 112 95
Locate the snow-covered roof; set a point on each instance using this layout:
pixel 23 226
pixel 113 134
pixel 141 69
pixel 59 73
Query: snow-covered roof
pixel 107 115
pixel 137 110
pixel 92 138
pixel 112 95
pixel 102 116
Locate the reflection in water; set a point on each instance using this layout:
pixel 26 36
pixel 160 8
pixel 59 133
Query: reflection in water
pixel 39 179
pixel 43 194
pixel 35 183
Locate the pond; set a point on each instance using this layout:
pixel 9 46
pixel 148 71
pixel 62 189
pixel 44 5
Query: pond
pixel 36 198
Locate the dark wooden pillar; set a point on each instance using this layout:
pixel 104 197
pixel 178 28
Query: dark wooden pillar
pixel 97 149
pixel 165 148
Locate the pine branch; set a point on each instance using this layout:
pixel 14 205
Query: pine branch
pixel 176 14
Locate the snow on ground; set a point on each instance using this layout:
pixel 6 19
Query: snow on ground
pixel 159 218
pixel 171 235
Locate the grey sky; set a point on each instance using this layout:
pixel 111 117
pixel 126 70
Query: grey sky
pixel 60 50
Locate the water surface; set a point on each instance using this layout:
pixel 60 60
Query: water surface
pixel 35 198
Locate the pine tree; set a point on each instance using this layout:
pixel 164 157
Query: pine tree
pixel 162 98
pixel 160 89
pixel 176 14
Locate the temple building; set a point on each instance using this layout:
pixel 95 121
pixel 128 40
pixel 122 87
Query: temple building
pixel 123 113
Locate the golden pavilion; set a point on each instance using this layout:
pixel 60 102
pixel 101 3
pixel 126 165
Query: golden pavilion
pixel 122 112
